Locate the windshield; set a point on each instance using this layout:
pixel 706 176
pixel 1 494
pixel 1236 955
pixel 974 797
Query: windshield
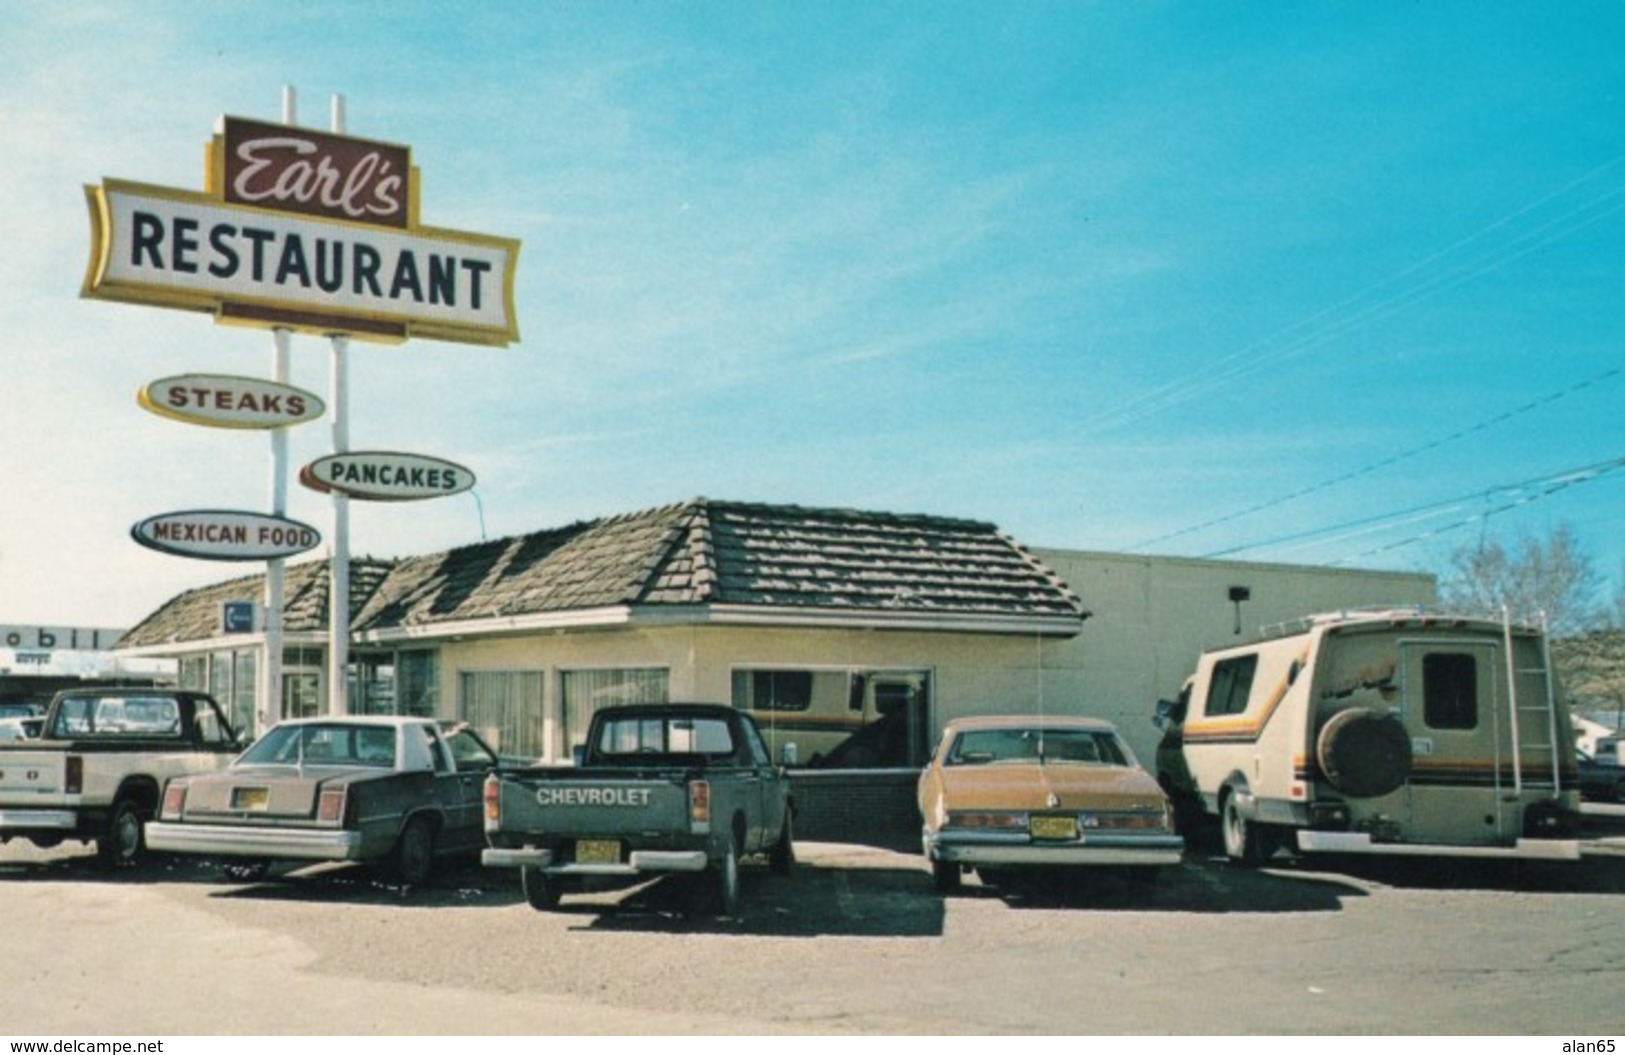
pixel 324 745
pixel 1050 746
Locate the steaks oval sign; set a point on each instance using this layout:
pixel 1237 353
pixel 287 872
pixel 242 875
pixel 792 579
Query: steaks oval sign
pixel 224 534
pixel 386 476
pixel 229 402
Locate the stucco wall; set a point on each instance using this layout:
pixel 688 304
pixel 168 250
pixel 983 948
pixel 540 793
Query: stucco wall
pixel 1151 617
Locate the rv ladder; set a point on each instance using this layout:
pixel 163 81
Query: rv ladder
pixel 1544 712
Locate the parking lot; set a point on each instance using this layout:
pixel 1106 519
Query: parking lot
pixel 855 942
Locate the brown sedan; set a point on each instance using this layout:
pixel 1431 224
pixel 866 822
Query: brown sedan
pixel 1008 793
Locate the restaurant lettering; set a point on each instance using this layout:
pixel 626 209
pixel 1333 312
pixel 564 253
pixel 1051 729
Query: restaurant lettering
pixel 386 476
pixel 276 536
pixel 303 172
pixel 283 259
pixel 190 397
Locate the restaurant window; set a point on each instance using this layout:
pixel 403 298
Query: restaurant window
pixel 504 707
pixel 841 718
pixel 192 672
pixel 583 692
pixel 230 679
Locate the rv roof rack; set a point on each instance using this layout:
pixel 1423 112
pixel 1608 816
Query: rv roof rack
pixel 1376 613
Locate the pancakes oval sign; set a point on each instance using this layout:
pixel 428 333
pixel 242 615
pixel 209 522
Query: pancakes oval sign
pixel 386 476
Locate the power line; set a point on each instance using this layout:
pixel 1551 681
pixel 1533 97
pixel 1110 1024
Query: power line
pixel 1324 325
pixel 1387 462
pixel 1522 494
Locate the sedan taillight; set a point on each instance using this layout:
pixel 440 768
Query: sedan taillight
pixel 330 807
pixel 73 775
pixel 174 801
pixel 987 819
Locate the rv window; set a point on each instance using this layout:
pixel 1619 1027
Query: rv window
pixel 1232 684
pixel 1450 691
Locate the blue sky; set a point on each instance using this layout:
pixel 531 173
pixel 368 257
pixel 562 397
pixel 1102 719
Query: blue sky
pixel 1303 282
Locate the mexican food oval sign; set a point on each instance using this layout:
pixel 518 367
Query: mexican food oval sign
pixel 386 476
pixel 224 534
pixel 226 402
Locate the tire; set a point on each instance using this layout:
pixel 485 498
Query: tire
pixel 1617 794
pixel 946 876
pixel 246 871
pixel 721 885
pixel 782 858
pixel 541 893
pixel 413 859
pixel 1363 753
pixel 1243 842
pixel 124 844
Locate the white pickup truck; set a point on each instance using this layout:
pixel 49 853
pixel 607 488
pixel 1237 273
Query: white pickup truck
pixel 100 763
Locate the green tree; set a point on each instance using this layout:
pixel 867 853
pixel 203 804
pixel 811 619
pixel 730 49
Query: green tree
pixel 1532 575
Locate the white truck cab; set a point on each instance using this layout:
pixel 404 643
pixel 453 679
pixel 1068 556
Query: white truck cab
pixel 1393 731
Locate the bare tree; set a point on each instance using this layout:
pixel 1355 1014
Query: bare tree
pixel 1554 576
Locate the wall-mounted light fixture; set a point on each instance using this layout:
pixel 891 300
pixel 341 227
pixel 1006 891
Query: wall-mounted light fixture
pixel 1239 594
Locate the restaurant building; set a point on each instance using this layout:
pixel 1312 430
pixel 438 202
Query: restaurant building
pixel 850 636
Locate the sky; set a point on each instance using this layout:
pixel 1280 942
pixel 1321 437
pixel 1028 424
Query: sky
pixel 1317 283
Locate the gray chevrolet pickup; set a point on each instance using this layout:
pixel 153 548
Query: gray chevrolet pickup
pixel 659 788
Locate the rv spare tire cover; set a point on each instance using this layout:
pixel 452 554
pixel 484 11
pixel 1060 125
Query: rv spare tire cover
pixel 1364 753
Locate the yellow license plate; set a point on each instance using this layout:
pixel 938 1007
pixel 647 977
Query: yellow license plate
pixel 598 852
pixel 250 798
pixel 1053 828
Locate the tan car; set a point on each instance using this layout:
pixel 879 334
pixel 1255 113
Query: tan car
pixel 1008 793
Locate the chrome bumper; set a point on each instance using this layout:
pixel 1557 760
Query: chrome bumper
pixel 637 863
pixel 38 820
pixel 303 844
pixel 1108 850
pixel 1361 843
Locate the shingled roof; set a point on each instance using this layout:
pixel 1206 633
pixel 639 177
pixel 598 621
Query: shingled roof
pixel 719 557
pixel 195 614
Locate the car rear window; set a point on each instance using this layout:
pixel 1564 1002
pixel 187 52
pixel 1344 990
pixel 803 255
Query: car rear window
pixel 987 746
pixel 91 717
pixel 665 736
pixel 325 745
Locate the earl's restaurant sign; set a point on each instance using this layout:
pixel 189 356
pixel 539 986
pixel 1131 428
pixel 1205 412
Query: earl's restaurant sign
pixel 304 230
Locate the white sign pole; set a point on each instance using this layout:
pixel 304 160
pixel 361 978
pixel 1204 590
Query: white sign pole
pixel 270 710
pixel 338 593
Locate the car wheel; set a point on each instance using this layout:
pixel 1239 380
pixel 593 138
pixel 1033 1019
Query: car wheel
pixel 541 893
pixel 1243 842
pixel 782 858
pixel 414 852
pixel 946 876
pixel 122 845
pixel 246 871
pixel 722 882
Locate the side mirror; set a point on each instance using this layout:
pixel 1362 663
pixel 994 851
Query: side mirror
pixel 578 754
pixel 1168 714
pixel 787 754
